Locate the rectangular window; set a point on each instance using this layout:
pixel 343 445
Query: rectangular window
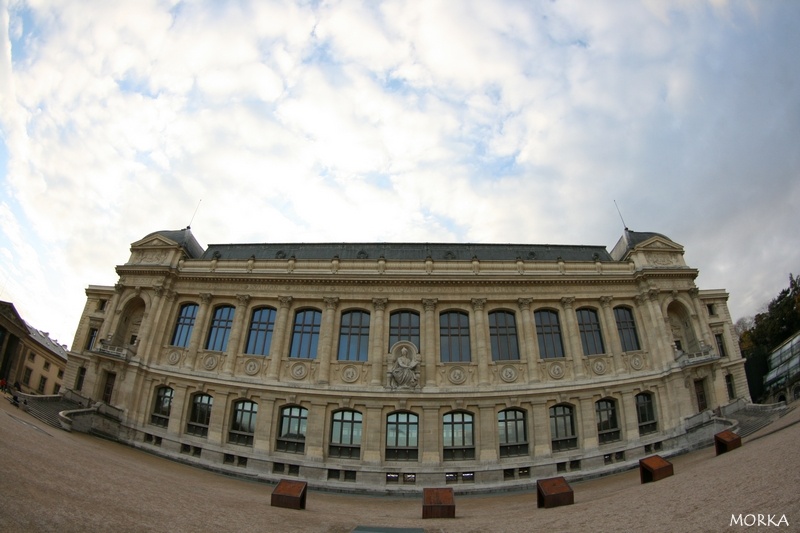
pixel 79 378
pixel 402 434
pixel 548 332
pixel 720 344
pixel 354 336
pixel 42 385
pixel 404 326
pixel 26 377
pixel 454 337
pixel 589 327
pixel 262 325
pixel 46 366
pixel 183 327
pixel 108 388
pixel 31 357
pixel 646 413
pixel 305 336
pixel 221 327
pixel 91 339
pixel 503 336
pixel 627 329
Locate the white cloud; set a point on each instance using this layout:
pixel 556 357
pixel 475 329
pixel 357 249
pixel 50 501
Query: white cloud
pixel 396 121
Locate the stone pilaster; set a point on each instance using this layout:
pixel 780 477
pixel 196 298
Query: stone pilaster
pixel 276 349
pixel 326 339
pixel 478 305
pixel 429 337
pixel 377 341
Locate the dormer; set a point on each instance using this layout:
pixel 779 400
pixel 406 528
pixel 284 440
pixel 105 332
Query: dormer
pixel 648 250
pixel 165 248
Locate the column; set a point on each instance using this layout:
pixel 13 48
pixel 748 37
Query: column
pixel 262 440
pixel 279 337
pixel 315 432
pixel 609 329
pixel 199 325
pixel 239 323
pixel 663 336
pixel 629 417
pixel 179 410
pixel 377 342
pixel 430 436
pixel 529 341
pixel 216 424
pixel 326 339
pixel 702 325
pixel 572 336
pixel 540 415
pixel 110 312
pixel 146 344
pixel 372 442
pixel 588 424
pixel 429 336
pixel 487 436
pixel 480 337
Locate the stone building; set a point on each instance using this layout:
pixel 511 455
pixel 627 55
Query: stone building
pixel 390 367
pixel 29 357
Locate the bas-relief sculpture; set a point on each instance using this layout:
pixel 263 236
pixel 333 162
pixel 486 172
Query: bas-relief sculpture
pixel 403 372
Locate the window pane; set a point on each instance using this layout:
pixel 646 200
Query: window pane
pixel 262 325
pixel 305 335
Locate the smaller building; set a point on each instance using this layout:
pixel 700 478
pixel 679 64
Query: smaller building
pixel 29 357
pixel 782 382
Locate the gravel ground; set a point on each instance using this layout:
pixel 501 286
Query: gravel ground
pixel 70 482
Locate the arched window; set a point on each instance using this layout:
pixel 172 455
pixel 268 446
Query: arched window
pixel 503 336
pixel 548 332
pixel 589 327
pixel 262 324
pixel 645 411
pixel 305 336
pixel 627 329
pixel 183 326
pixel 220 330
pixel 562 428
pixel 243 422
pixel 345 435
pixel 354 336
pixel 454 337
pixel 292 435
pixel 458 436
pixel 512 432
pixel 404 326
pixel 402 437
pixel 162 405
pixel 200 415
pixel 607 422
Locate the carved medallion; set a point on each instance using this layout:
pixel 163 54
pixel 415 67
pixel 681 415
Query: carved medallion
pixel 508 374
pixel 599 367
pixel 457 375
pixel 210 362
pixel 349 374
pixel 298 371
pixel 251 367
pixel 637 362
pixel 556 370
pixel 173 358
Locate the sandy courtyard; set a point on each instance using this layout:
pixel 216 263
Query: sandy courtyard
pixel 70 482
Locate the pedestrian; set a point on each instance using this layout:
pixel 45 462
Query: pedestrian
pixel 3 385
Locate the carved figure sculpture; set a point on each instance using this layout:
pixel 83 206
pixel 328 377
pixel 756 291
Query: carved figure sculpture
pixel 404 374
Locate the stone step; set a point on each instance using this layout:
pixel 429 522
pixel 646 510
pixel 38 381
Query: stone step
pixel 47 411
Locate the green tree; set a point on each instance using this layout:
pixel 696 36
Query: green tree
pixel 769 329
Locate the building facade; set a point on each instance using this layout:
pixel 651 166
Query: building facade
pixel 391 367
pixel 29 358
pixel 782 382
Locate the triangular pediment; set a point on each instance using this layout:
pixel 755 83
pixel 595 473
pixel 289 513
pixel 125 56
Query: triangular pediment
pixel 154 241
pixel 658 244
pixel 10 316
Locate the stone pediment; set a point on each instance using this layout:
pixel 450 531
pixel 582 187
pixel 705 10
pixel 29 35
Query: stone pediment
pixel 154 241
pixel 658 251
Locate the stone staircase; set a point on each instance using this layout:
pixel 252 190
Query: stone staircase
pixel 754 417
pixel 47 409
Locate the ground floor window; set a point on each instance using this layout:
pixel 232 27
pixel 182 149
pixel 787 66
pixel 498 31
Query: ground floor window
pixel 292 435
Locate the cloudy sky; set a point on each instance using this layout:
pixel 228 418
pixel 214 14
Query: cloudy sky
pixel 439 121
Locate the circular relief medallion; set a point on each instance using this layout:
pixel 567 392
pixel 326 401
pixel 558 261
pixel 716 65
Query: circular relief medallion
pixel 599 367
pixel 349 374
pixel 251 367
pixel 457 375
pixel 299 371
pixel 508 374
pixel 556 370
pixel 637 362
pixel 173 358
pixel 210 362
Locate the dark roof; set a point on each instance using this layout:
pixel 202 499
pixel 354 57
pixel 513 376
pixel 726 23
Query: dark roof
pixel 408 251
pixel 44 339
pixel 184 238
pixel 630 239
